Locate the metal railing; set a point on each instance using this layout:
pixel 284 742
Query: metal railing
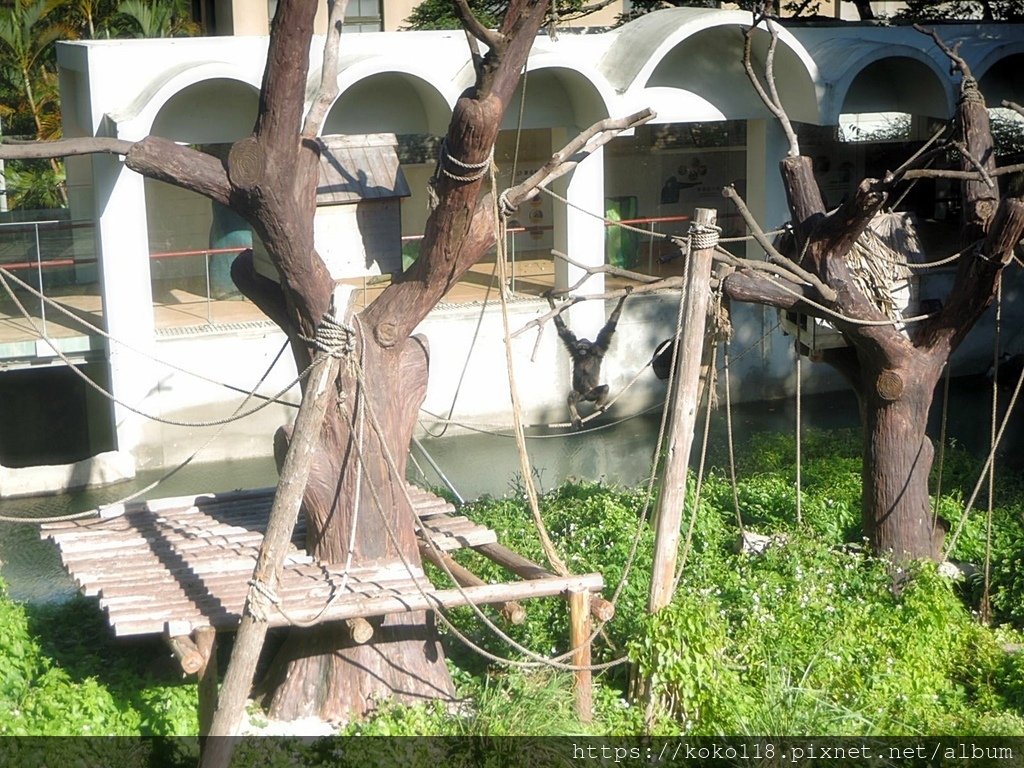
pixel 24 247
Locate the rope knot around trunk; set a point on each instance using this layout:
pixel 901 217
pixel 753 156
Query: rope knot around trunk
pixel 332 337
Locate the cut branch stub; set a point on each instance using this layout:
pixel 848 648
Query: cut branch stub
pixel 246 163
pixel 889 385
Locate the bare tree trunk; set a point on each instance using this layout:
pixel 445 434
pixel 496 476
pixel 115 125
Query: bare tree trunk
pixel 897 459
pixel 320 671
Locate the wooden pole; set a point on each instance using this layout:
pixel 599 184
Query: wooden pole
pixel 206 641
pixel 579 639
pixel 683 417
pixel 252 630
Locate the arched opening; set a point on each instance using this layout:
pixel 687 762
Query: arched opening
pixel 192 241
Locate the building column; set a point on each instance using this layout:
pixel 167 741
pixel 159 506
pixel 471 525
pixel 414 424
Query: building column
pixel 766 199
pixel 580 233
pixel 122 247
pixel 766 195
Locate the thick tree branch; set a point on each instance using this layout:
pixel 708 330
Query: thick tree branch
pixel 519 28
pixel 1014 106
pixel 771 100
pixel 573 153
pixel 597 269
pixel 972 160
pixel 162 159
pixel 41 150
pixel 283 93
pixel 974 285
pixel 755 287
pixel 824 291
pixel 952 53
pixel 474 27
pixel 925 153
pixel 328 90
pixel 942 173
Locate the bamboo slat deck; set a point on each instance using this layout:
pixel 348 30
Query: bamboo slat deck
pixel 175 565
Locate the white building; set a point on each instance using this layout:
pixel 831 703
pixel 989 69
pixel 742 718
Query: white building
pixel 711 129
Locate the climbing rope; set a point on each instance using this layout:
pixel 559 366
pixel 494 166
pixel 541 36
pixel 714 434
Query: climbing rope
pixel 96 330
pixel 942 448
pixel 985 603
pixel 517 422
pixel 236 416
pixel 799 424
pixel 104 508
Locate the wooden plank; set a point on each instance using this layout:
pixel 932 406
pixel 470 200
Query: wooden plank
pixel 369 606
pixel 234 592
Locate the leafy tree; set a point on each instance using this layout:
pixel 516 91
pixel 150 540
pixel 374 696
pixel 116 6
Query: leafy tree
pixel 157 18
pixel 27 32
pixel 982 10
pixel 443 14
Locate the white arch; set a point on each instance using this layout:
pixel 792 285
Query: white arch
pixel 136 120
pixel 564 69
pixel 841 62
pixel 420 78
pixel 641 46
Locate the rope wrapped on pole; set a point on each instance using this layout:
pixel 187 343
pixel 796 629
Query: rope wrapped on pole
pixel 295 471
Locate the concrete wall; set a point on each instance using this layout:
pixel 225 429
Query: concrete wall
pixel 684 62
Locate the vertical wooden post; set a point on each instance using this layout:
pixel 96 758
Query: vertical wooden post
pixel 579 638
pixel 206 641
pixel 291 486
pixel 683 417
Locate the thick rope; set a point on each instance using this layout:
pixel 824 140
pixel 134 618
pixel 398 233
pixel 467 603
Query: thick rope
pixel 156 483
pixel 942 448
pixel 729 441
pixel 703 237
pixel 517 421
pixel 799 425
pixel 96 330
pixel 985 593
pixel 236 416
pixel 476 171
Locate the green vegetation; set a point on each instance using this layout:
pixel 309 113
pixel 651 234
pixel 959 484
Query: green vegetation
pixel 808 637
pixel 29 93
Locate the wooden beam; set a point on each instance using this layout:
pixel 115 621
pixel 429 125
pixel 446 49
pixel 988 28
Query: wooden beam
pixel 205 639
pixel 511 611
pixel 189 657
pixel 685 399
pixel 290 488
pixel 601 609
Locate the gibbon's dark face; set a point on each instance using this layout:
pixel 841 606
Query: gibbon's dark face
pixel 583 348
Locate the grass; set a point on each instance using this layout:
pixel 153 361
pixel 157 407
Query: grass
pixel 807 638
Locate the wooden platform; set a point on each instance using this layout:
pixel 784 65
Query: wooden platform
pixel 174 565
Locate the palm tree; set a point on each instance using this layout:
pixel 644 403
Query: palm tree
pixel 27 34
pixel 159 19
